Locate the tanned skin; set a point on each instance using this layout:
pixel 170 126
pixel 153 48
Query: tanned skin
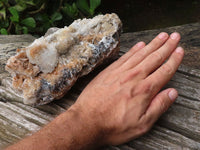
pixel 120 104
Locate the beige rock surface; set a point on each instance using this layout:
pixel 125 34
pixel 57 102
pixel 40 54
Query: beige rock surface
pixel 47 69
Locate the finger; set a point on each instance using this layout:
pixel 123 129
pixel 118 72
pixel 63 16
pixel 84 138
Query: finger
pixel 127 55
pixel 132 51
pixel 140 55
pixel 157 58
pixel 159 105
pixel 164 73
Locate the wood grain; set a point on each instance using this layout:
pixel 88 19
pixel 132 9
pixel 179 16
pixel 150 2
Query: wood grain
pixel 178 128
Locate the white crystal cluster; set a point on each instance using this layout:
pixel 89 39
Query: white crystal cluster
pixel 44 52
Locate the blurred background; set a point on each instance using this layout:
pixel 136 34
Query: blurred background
pixel 151 14
pixel 36 16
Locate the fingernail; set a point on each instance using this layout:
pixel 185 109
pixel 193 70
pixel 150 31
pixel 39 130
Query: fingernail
pixel 162 36
pixel 174 36
pixel 173 94
pixel 179 50
pixel 140 44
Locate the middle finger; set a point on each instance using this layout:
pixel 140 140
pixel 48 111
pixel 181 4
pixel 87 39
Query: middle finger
pixel 142 54
pixel 157 58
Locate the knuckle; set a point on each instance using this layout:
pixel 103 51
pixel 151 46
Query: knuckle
pixel 141 70
pixel 144 128
pixel 145 88
pixel 138 71
pixel 145 125
pixel 163 106
pixel 117 124
pixel 148 88
pixel 130 75
pixel 126 94
pixel 142 53
pixel 158 56
pixel 123 57
pixel 155 43
pixel 167 69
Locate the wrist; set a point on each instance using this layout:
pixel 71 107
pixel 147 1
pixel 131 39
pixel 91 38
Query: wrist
pixel 70 130
pixel 79 131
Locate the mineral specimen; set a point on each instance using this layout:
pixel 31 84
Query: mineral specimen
pixel 47 69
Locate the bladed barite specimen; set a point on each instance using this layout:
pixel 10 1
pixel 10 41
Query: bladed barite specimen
pixel 47 69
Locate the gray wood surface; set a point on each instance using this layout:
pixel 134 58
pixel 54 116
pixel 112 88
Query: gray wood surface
pixel 178 128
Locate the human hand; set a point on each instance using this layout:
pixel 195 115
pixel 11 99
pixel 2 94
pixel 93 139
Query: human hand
pixel 123 101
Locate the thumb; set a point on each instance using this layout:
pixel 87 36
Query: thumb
pixel 161 103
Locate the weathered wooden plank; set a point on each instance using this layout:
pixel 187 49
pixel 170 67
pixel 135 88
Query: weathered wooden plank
pixel 173 122
pixel 7 94
pixel 11 131
pixel 4 39
pixel 163 138
pixel 66 102
pixel 187 83
pixel 182 120
pixel 26 114
pixel 35 111
pixel 3 143
pixel 18 119
pixel 178 128
pixel 10 134
pixel 126 147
